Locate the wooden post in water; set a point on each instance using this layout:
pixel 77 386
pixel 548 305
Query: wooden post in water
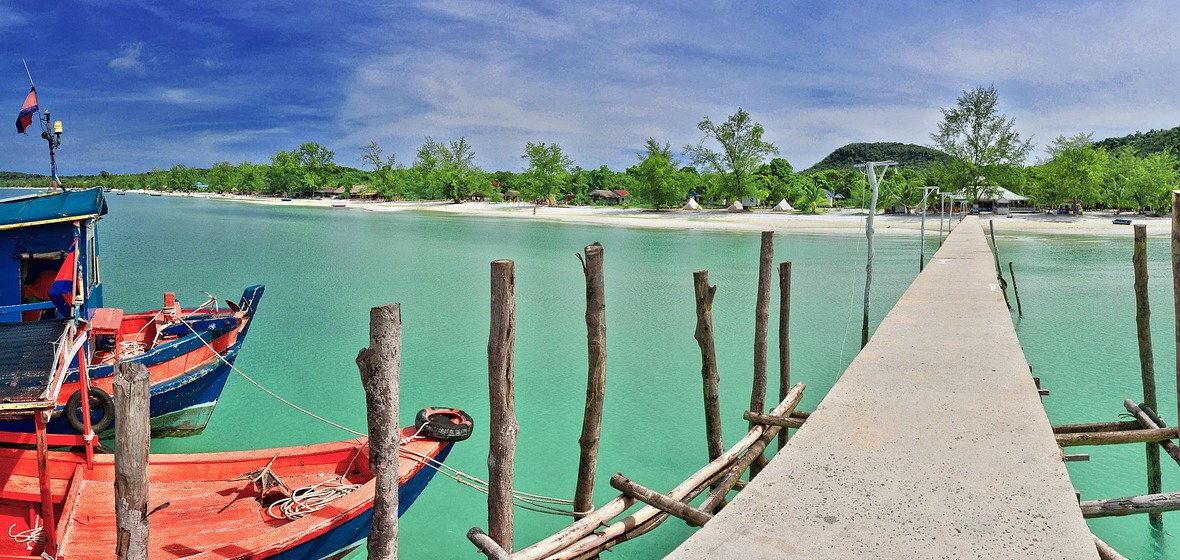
pixel 1015 290
pixel 1146 359
pixel 704 336
pixel 761 326
pixel 784 338
pixel 132 443
pixel 999 271
pixel 595 379
pixel 380 370
pixel 502 448
pixel 1176 288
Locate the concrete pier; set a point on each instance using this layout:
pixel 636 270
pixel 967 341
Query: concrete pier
pixel 933 444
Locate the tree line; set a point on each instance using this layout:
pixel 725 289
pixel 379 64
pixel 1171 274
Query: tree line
pixel 978 150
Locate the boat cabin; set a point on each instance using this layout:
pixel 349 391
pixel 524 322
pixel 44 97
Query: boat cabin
pixel 41 234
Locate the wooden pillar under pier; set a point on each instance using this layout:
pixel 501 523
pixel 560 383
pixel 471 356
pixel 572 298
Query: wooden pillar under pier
pixel 501 389
pixel 132 445
pixel 380 371
pixel 761 326
pixel 1146 359
pixel 592 267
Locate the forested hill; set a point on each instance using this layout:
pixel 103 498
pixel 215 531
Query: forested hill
pixel 1145 143
pixel 910 156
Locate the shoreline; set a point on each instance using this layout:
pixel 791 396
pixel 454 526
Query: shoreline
pixel 843 221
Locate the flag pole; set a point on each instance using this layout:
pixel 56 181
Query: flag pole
pixel 31 84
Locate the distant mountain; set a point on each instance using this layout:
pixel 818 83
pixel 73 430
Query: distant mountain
pixel 910 156
pixel 1145 142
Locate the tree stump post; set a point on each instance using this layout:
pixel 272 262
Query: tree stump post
pixel 132 444
pixel 761 328
pixel 1146 360
pixel 704 337
pixel 1176 287
pixel 380 370
pixel 592 267
pixel 501 390
pixel 784 339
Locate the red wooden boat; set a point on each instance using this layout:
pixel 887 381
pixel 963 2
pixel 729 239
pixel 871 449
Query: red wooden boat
pixel 203 504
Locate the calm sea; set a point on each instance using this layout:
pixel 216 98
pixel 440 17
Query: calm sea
pixel 324 269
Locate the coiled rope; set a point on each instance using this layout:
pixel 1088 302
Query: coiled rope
pixel 29 537
pixel 523 500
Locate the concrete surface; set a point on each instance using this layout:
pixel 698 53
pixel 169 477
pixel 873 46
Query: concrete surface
pixel 933 444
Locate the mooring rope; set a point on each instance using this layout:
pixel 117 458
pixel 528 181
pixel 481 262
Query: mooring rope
pixel 523 500
pixel 29 537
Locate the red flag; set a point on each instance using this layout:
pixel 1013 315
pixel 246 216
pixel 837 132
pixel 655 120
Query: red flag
pixel 25 118
pixel 61 293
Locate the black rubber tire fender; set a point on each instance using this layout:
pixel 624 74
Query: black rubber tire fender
pixel 444 424
pixel 106 404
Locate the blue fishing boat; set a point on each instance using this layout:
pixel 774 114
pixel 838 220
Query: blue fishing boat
pixel 50 280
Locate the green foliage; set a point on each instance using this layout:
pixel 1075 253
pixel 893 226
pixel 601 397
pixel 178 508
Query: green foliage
pixel 547 170
pixel 909 156
pixel 658 181
pixel 742 151
pixel 983 144
pixel 812 196
pixel 1076 173
pixel 221 177
pixel 182 178
pixel 1140 183
pixel 1145 143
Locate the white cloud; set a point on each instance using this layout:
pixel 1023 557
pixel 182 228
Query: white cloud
pixel 131 60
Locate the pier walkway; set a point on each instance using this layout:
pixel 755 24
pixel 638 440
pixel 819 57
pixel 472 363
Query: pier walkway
pixel 933 444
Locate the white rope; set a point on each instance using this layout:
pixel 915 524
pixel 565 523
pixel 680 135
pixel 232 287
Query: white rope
pixel 28 537
pixel 310 499
pixel 523 500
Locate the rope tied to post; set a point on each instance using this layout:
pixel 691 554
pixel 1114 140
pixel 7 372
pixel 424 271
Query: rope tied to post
pixel 524 500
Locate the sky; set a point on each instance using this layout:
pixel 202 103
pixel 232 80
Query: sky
pixel 149 84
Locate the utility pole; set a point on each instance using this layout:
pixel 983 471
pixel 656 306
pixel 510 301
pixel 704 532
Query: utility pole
pixel 874 180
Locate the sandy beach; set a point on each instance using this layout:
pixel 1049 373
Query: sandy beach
pixel 845 220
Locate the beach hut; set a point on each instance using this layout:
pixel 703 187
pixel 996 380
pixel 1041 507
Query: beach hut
pixel 691 205
pixel 735 207
pixel 605 197
pixel 783 206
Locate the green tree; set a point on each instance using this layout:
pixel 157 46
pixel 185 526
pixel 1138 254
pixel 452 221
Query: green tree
pixel 221 177
pixel 1075 173
pixel 383 176
pixel 283 175
pixel 983 144
pixel 1140 182
pixel 182 178
pixel 656 176
pixel 316 167
pixel 250 178
pixel 742 150
pixel 547 170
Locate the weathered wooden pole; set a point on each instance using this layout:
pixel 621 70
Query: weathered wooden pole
pixel 1148 422
pixel 1176 288
pixel 761 328
pixel 1114 438
pixel 784 338
pixel 595 378
pixel 133 431
pixel 999 271
pixel 1015 290
pixel 1115 507
pixel 502 448
pixel 1146 358
pixel 486 545
pixel 693 516
pixel 380 370
pixel 704 336
pixel 1105 551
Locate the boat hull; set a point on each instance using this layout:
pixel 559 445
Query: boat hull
pixel 204 507
pixel 187 376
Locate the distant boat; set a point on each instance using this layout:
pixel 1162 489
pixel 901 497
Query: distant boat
pixel 155 194
pixel 337 206
pixel 1122 222
pixel 285 199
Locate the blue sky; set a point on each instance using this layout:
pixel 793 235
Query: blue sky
pixel 151 84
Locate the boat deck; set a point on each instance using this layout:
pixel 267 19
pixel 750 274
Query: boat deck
pixel 933 444
pixel 26 358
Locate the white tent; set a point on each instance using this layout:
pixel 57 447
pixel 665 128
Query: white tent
pixel 735 207
pixel 691 205
pixel 783 206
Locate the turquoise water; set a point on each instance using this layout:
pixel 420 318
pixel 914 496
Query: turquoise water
pixel 1078 333
pixel 324 269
